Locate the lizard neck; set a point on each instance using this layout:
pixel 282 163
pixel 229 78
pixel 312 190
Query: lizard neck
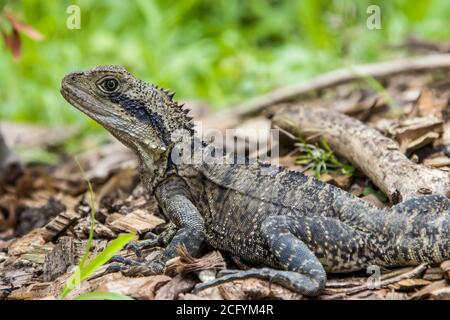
pixel 153 165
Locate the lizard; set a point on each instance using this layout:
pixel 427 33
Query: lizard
pixel 293 228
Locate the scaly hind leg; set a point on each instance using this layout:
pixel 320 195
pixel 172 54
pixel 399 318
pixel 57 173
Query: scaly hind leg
pixel 302 272
pixel 292 241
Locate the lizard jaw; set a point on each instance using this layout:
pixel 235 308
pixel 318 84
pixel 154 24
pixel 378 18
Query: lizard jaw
pixel 81 100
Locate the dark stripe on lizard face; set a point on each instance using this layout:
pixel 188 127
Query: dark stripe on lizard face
pixel 138 110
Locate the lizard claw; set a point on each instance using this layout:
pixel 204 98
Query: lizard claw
pixel 125 261
pixel 135 247
pixel 152 240
pixel 130 267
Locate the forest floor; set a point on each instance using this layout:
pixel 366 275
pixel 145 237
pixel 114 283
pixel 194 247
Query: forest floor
pixel 45 209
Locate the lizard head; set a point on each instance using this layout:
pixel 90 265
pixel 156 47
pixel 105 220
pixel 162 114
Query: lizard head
pixel 142 116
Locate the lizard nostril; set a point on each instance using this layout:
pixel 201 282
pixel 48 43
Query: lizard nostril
pixel 75 75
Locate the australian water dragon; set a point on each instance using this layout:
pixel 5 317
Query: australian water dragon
pixel 298 227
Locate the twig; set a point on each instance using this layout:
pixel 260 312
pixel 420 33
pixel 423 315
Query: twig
pixel 376 70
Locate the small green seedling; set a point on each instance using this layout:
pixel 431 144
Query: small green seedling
pixel 83 271
pixel 320 157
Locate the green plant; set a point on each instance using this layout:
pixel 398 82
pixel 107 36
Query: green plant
pixel 83 271
pixel 320 157
pixel 223 51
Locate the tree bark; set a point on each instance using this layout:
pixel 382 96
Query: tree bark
pixel 377 156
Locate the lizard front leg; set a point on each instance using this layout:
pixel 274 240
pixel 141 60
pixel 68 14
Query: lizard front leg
pixel 176 205
pixel 172 196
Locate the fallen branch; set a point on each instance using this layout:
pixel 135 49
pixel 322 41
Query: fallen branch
pixel 377 156
pixel 376 70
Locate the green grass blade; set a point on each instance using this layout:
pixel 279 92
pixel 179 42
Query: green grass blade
pixel 98 295
pixel 92 205
pixel 111 249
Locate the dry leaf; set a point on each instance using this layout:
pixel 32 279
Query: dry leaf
pixel 414 133
pixel 28 30
pixel 426 291
pixel 142 288
pixel 179 284
pixel 185 263
pixel 26 243
pixel 440 294
pixel 13 43
pixel 409 284
pixel 437 162
pixel 253 288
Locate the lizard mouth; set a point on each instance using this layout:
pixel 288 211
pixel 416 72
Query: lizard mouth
pixel 82 101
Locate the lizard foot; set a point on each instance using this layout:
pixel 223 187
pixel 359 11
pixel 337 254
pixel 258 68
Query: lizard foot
pixel 130 267
pixel 152 241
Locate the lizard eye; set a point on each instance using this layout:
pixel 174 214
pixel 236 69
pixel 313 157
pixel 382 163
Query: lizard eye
pixel 109 84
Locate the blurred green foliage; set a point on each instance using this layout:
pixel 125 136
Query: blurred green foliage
pixel 223 51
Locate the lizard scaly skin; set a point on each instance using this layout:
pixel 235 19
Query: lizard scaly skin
pixel 297 226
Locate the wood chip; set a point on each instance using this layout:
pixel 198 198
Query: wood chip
pixel 33 291
pixel 179 284
pixel 253 288
pixel 433 274
pixel 102 231
pixel 60 223
pixel 396 296
pixel 440 294
pixel 207 294
pixel 138 221
pixel 426 291
pixel 445 266
pixel 409 284
pixel 37 253
pixel 437 162
pixel 26 243
pixel 18 274
pixel 142 288
pixel 57 261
